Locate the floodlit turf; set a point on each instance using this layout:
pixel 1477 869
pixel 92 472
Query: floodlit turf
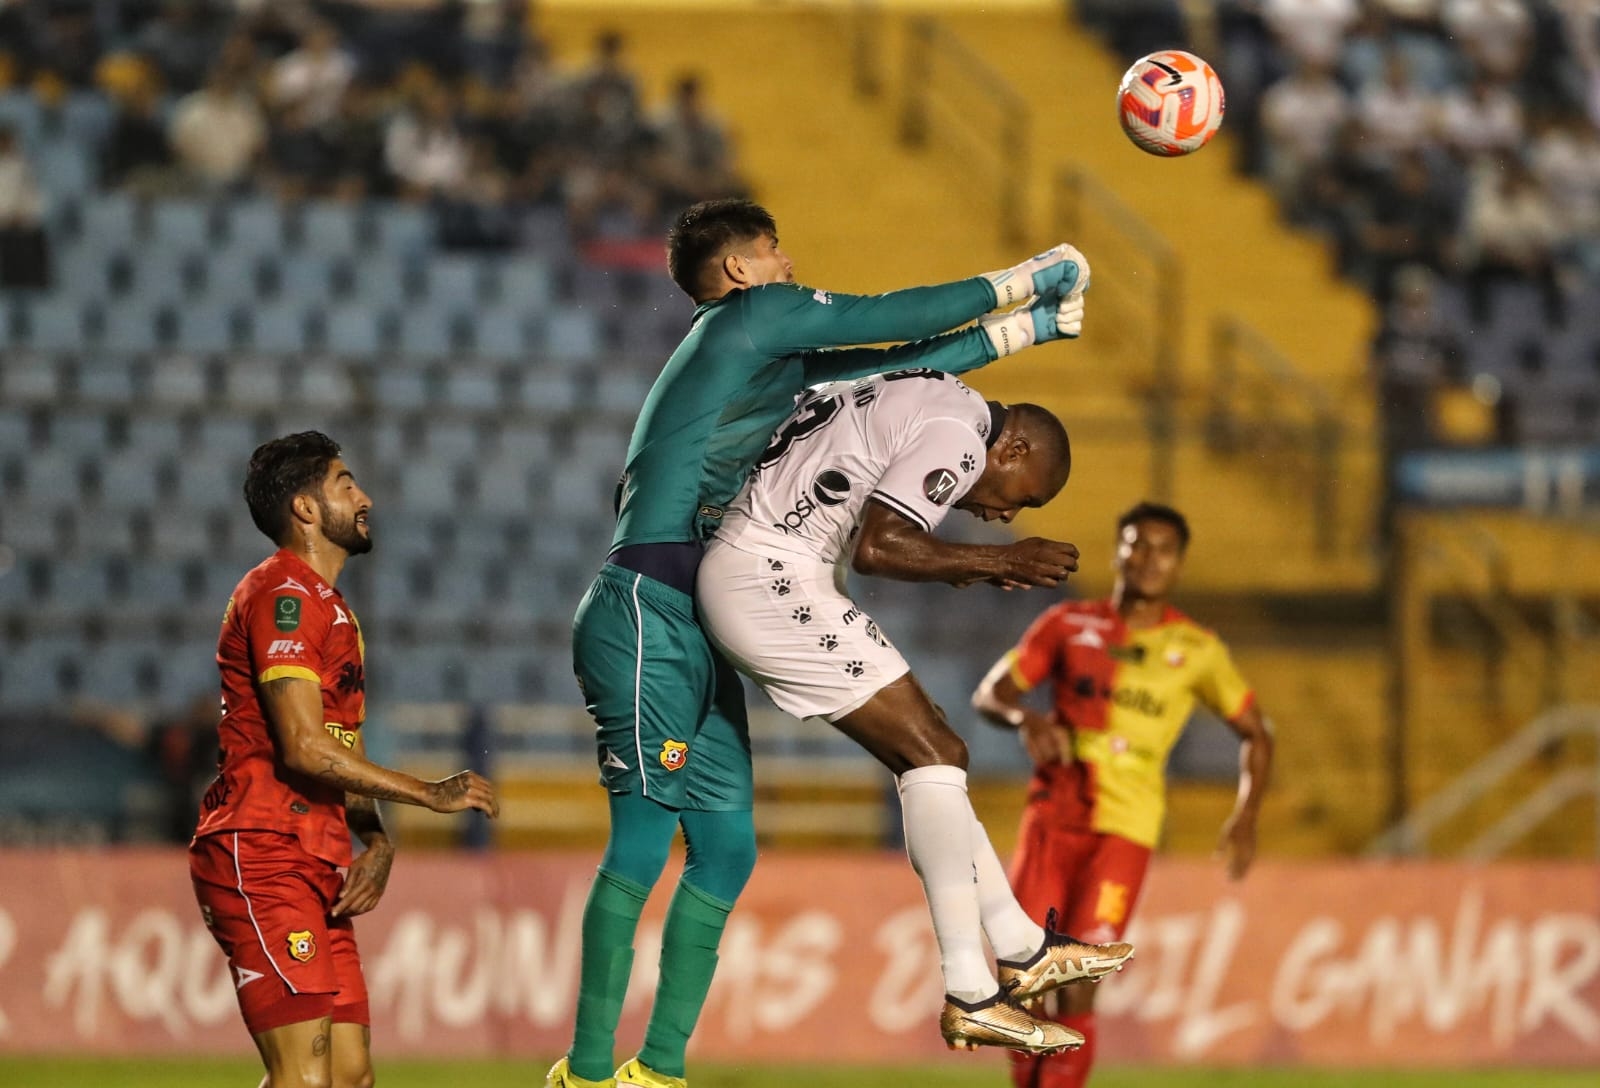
pixel 960 1072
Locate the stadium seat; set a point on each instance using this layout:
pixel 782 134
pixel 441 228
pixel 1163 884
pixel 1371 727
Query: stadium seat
pixel 20 111
pixel 622 392
pixel 279 326
pixel 302 277
pixel 64 169
pixel 187 225
pixel 382 283
pixel 110 222
pixel 254 226
pixel 29 529
pixel 452 441
pixel 14 433
pixel 179 381
pixel 86 118
pixel 326 387
pixel 425 332
pixel 500 333
pixel 79 585
pixel 473 389
pixel 232 276
pixel 105 378
pixel 32 671
pixel 227 438
pixel 151 437
pixel 455 283
pixel 571 335
pixel 207 327
pixel 82 268
pixel 330 229
pixel 120 671
pixel 428 487
pixel 53 323
pixel 126 325
pixel 98 530
pixel 80 431
pixel 524 284
pixel 30 379
pixel 402 229
pixel 400 390
pixel 547 392
pixel 351 330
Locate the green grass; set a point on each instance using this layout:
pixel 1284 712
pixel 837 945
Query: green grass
pixel 959 1072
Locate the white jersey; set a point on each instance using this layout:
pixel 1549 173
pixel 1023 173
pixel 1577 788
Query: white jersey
pixel 914 440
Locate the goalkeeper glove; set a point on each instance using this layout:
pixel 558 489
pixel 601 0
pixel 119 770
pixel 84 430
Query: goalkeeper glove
pixel 1039 323
pixel 1052 274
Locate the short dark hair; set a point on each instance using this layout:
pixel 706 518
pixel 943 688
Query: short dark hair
pixel 1156 511
pixel 703 232
pixel 1047 433
pixel 281 469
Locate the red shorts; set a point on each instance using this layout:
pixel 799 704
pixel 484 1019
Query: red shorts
pixel 1092 879
pixel 266 902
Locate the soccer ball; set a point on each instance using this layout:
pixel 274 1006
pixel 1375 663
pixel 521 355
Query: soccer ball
pixel 1170 103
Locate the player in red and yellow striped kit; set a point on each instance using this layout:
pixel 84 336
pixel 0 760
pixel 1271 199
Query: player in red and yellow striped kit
pixel 1125 673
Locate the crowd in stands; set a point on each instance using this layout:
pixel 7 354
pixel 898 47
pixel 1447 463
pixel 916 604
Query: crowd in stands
pixel 458 105
pixel 1449 150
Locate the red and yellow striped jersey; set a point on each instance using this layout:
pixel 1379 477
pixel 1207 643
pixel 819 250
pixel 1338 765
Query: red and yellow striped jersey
pixel 1125 695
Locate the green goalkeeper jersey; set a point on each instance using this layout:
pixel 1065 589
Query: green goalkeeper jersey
pixel 736 375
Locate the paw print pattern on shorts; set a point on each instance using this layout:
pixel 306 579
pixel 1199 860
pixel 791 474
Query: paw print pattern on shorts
pixel 828 642
pixel 781 586
pixel 801 615
pixel 855 668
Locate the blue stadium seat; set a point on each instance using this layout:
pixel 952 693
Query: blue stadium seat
pixel 395 389
pixel 547 392
pixel 572 335
pixel 80 431
pixel 106 378
pixel 101 531
pixel 188 670
pixel 622 392
pixel 65 170
pixel 110 222
pixel 29 529
pixel 330 229
pixel 454 442
pixel 428 487
pixel 524 442
pixel 54 323
pixel 188 225
pixel 87 117
pixel 504 488
pixel 178 380
pixel 31 673
pixel 500 333
pixel 79 585
pixel 20 110
pixel 455 283
pixel 254 225
pixel 278 326
pixel 403 229
pixel 82 268
pixel 382 283
pixel 473 389
pixel 232 276
pixel 302 277
pixel 127 324
pixel 327 387
pixel 211 479
pixel 228 438
pixel 205 327
pixel 14 434
pixel 425 332
pixel 119 671
pixel 351 330
pixel 523 283
pixel 30 379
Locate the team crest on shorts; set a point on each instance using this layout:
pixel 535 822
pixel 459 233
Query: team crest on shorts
pixel 302 945
pixel 674 754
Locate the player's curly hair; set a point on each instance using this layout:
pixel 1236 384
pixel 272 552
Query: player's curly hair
pixel 1156 511
pixel 704 232
pixel 281 469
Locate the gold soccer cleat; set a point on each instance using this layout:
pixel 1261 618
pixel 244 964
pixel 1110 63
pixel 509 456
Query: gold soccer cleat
pixel 560 1076
pixel 1000 1021
pixel 1063 959
pixel 636 1072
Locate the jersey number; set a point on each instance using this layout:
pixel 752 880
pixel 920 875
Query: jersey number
pixel 811 418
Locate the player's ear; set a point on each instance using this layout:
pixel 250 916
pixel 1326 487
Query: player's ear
pixel 303 508
pixel 734 267
pixel 1018 449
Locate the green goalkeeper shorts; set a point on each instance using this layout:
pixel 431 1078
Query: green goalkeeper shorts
pixel 669 707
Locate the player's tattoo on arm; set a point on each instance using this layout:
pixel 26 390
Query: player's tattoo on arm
pixel 362 817
pixel 337 772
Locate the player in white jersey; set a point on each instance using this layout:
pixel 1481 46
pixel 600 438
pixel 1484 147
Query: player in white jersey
pixel 860 475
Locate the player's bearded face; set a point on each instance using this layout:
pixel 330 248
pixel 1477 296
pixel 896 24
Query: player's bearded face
pixel 346 527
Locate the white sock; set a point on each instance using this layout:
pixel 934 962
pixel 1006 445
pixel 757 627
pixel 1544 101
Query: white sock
pixel 939 824
pixel 1012 934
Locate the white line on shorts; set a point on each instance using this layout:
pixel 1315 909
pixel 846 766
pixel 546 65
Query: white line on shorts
pixel 239 887
pixel 638 674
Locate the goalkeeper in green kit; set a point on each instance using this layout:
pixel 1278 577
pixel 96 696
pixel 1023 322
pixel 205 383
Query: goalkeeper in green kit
pixel 673 739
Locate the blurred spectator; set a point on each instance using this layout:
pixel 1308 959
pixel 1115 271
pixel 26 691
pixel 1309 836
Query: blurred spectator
pixel 1415 352
pixel 1509 233
pixel 1495 34
pixel 179 749
pixel 181 41
pixel 1409 224
pixel 1311 30
pixel 494 39
pixel 298 155
pixel 353 139
pixel 1565 157
pixel 218 132
pixel 1484 117
pixel 312 79
pixel 1365 51
pixel 693 161
pixel 136 153
pixel 605 89
pixel 1136 27
pixel 24 258
pixel 66 42
pixel 477 214
pixel 1302 116
pixel 424 148
pixel 1395 116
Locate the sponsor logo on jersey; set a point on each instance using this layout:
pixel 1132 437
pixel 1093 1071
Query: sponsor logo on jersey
pixel 227 613
pixel 876 635
pixel 285 647
pixel 1088 637
pixel 824 297
pixel 798 515
pixel 324 592
pixel 339 616
pixel 851 615
pixel 610 759
pixel 1139 699
pixel 302 945
pixel 352 678
pixel 1134 653
pixel 290 583
pixel 674 754
pixel 1111 903
pixel 346 737
pixel 286 613
pixel 243 976
pixel 207 916
pixel 1175 658
pixel 831 487
pixel 939 485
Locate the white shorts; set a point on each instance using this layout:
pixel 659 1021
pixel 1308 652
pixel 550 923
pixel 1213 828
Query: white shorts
pixel 788 625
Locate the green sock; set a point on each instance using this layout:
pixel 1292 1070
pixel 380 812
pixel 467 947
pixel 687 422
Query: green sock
pixel 610 918
pixel 688 960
